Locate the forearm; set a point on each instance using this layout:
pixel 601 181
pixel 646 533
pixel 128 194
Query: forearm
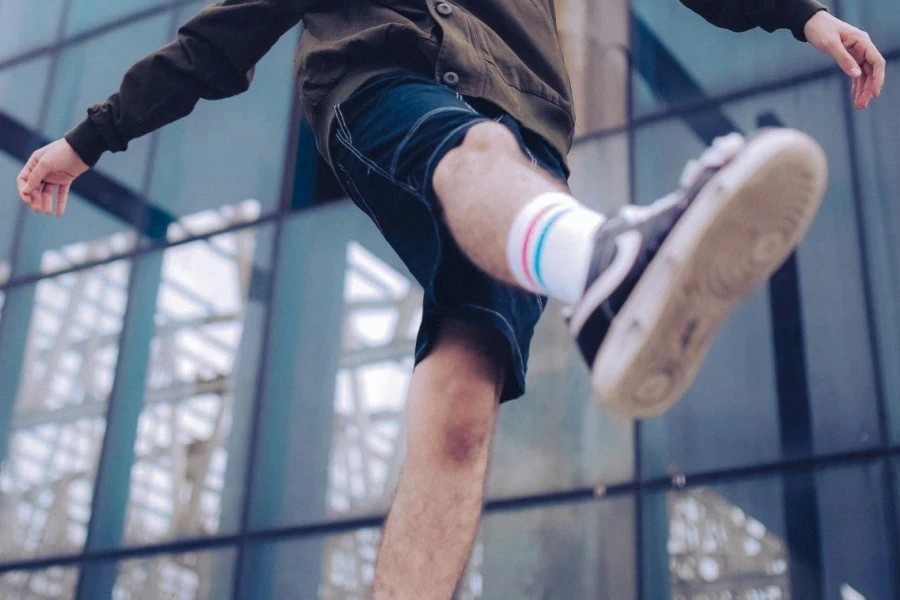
pixel 770 15
pixel 213 57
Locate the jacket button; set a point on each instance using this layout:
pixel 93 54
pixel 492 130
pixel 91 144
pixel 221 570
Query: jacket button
pixel 451 78
pixel 444 9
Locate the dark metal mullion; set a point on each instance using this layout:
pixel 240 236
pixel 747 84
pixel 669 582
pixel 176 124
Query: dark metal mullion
pixel 577 495
pixel 637 432
pixel 284 208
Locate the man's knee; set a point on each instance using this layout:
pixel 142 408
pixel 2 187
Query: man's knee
pixel 483 142
pixel 465 434
pixel 466 371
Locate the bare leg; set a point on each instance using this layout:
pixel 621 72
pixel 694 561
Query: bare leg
pixel 482 184
pixel 452 406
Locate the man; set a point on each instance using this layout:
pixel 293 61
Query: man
pixel 448 123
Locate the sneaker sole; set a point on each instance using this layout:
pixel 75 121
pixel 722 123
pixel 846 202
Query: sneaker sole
pixel 739 229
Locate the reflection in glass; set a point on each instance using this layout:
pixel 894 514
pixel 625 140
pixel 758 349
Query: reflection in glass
pixel 197 398
pixel 46 479
pixel 718 552
pixel 51 584
pixel 381 317
pixel 191 576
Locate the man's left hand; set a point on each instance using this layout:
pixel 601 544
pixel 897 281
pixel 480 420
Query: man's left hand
pixel 854 51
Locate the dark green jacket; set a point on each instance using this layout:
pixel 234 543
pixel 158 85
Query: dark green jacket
pixel 506 51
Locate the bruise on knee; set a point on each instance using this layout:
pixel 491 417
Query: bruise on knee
pixel 465 443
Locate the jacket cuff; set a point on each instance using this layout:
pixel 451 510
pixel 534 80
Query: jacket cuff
pixel 797 13
pixel 87 142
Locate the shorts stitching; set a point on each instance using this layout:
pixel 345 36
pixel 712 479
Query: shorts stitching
pixel 415 193
pixel 373 165
pixel 415 128
pixel 340 116
pixel 360 197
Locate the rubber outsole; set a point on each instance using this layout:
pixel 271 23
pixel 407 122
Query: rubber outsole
pixel 740 228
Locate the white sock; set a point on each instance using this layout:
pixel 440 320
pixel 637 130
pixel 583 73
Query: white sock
pixel 550 246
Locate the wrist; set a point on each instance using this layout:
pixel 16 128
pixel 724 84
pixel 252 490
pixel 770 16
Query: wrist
pixel 87 142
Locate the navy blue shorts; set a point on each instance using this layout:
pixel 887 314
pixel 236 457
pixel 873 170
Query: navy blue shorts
pixel 387 139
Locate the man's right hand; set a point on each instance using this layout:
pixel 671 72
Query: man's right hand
pixel 50 169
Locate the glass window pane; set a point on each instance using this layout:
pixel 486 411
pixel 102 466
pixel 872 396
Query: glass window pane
pixel 753 58
pixel 191 576
pixel 735 540
pixel 90 72
pixel 733 406
pixel 188 474
pixel 54 583
pixel 24 28
pixel 85 15
pixel 600 173
pixel 879 18
pixel 48 471
pixel 84 234
pixel 583 550
pixel 9 168
pixel 23 91
pixel 839 358
pixel 223 164
pixel 879 181
pixel 338 368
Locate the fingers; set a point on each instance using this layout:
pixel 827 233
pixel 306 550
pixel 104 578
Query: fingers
pixel 843 57
pixel 40 170
pixel 22 179
pixel 47 198
pixel 860 46
pixel 879 65
pixel 62 200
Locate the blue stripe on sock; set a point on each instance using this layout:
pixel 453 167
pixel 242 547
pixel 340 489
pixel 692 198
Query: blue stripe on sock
pixel 540 244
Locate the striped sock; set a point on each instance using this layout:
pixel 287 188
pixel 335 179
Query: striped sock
pixel 550 246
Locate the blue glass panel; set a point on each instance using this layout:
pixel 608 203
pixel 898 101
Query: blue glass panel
pixel 59 400
pixel 840 363
pixel 25 25
pixel 742 539
pixel 880 18
pixel 195 575
pixel 85 15
pixel 879 182
pixel 55 582
pixel 192 434
pixel 23 91
pixel 583 550
pixel 84 234
pixel 734 404
pixel 720 61
pixel 223 164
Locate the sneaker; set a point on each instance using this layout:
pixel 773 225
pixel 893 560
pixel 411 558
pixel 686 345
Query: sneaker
pixel 665 276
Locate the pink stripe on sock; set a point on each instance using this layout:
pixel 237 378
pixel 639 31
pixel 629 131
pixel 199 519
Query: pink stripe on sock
pixel 528 235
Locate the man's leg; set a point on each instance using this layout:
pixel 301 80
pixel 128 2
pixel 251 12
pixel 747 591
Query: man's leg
pixel 482 185
pixel 451 409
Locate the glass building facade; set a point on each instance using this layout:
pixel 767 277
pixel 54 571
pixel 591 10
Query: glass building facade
pixel 203 364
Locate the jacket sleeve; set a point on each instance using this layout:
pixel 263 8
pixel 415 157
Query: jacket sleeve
pixel 213 57
pixel 742 15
